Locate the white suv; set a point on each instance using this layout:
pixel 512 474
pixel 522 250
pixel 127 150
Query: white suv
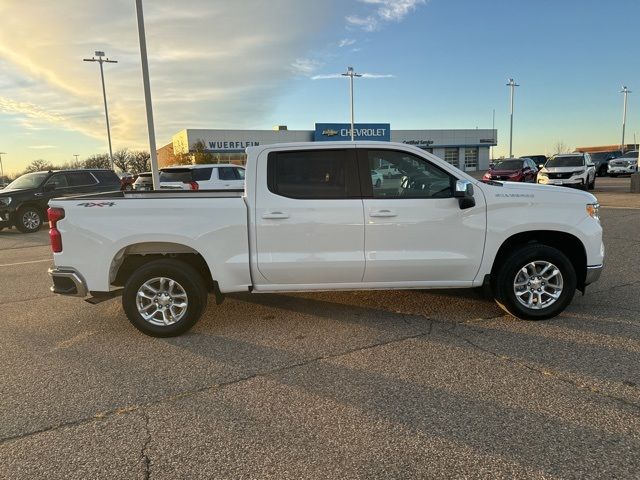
pixel 219 176
pixel 624 165
pixel 570 169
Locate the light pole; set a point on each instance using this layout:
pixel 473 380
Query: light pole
pixel 1 167
pixel 625 91
pixel 512 86
pixel 102 60
pixel 155 176
pixel 76 155
pixel 350 73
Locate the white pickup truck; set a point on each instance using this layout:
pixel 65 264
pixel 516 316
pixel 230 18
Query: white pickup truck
pixel 310 218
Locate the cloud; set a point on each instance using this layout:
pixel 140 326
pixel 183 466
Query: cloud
pixel 339 75
pixel 42 147
pixel 385 11
pixel 208 69
pixel 345 42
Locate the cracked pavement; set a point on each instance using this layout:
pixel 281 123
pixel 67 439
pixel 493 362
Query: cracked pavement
pixel 324 385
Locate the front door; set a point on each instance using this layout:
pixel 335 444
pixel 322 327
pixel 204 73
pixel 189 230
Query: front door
pixel 415 230
pixel 308 218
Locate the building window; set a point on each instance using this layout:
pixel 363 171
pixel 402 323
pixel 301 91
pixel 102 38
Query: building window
pixel 471 158
pixel 451 156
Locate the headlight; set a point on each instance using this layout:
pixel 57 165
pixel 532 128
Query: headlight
pixel 593 210
pixel 577 172
pixel 5 201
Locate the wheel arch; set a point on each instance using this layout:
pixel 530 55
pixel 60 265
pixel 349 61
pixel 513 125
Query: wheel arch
pixel 567 243
pixel 133 256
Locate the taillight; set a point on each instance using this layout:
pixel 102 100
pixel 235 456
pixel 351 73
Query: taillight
pixel 194 185
pixel 55 237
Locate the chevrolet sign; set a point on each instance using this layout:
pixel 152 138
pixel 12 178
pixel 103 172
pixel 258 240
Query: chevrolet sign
pixel 361 131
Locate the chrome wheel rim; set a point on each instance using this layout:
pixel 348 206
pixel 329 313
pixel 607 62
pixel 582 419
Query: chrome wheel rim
pixel 162 301
pixel 31 220
pixel 538 285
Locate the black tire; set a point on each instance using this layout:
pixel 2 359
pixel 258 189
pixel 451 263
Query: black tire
pixel 185 276
pixel 602 171
pixel 509 271
pixel 29 219
pixel 592 185
pixel 378 182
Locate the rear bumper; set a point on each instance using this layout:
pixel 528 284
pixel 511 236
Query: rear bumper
pixel 66 281
pixel 593 274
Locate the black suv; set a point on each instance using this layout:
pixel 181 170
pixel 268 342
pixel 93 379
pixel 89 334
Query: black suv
pixel 23 202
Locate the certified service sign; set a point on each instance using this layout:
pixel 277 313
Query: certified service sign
pixel 326 132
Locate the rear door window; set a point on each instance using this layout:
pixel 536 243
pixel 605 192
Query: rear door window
pixel 227 173
pixel 106 176
pixel 314 174
pixel 80 179
pixel 184 175
pixel 202 174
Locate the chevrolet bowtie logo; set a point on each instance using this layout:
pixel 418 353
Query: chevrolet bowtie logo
pixel 329 132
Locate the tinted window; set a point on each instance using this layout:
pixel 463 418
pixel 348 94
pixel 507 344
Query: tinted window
pixel 58 180
pixel 106 176
pixel 227 173
pixel 239 173
pixel 418 177
pixel 184 175
pixel 200 174
pixel 80 179
pixel 313 174
pixel 508 165
pixel 632 154
pixel 30 180
pixel 565 161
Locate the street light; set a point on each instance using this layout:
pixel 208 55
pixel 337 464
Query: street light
pixel 512 85
pixel 625 91
pixel 155 176
pixel 76 155
pixel 1 167
pixel 102 60
pixel 350 73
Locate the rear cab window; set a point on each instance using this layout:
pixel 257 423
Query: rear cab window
pixel 314 174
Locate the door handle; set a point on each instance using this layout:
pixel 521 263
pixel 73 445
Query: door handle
pixel 383 213
pixel 275 215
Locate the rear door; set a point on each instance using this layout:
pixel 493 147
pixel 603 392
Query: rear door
pixel 415 230
pixel 308 217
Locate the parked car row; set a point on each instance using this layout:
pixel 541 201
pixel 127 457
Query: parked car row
pixel 571 169
pixel 195 177
pixel 624 165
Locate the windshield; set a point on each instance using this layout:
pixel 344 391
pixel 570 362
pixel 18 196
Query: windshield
pixel 569 161
pixel 30 180
pixel 632 154
pixel 508 165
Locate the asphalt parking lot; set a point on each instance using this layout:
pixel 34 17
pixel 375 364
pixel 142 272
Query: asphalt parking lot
pixel 394 384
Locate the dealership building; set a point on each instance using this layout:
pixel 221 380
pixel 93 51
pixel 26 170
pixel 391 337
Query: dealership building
pixel 466 149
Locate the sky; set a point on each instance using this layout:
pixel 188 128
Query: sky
pixel 253 64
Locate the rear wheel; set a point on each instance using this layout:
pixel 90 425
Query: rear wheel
pixel 164 298
pixel 28 219
pixel 592 184
pixel 535 282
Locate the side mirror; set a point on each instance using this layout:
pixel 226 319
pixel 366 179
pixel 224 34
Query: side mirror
pixel 491 165
pixel 540 166
pixel 49 187
pixel 464 193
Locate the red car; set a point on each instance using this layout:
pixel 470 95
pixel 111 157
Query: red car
pixel 512 170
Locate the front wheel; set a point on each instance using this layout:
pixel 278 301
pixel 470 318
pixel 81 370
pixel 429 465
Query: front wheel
pixel 164 298
pixel 535 282
pixel 592 184
pixel 28 219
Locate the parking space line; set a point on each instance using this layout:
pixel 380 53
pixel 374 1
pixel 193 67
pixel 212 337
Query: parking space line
pixel 24 263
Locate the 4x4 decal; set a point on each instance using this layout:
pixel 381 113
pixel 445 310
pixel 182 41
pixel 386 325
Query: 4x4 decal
pixel 97 204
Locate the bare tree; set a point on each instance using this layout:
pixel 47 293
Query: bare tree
pixel 98 161
pixel 201 154
pixel 561 147
pixel 139 162
pixel 121 159
pixel 38 166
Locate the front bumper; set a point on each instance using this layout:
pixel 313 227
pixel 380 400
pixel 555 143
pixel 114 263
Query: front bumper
pixel 66 281
pixel 622 170
pixel 5 217
pixel 593 274
pixel 561 181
